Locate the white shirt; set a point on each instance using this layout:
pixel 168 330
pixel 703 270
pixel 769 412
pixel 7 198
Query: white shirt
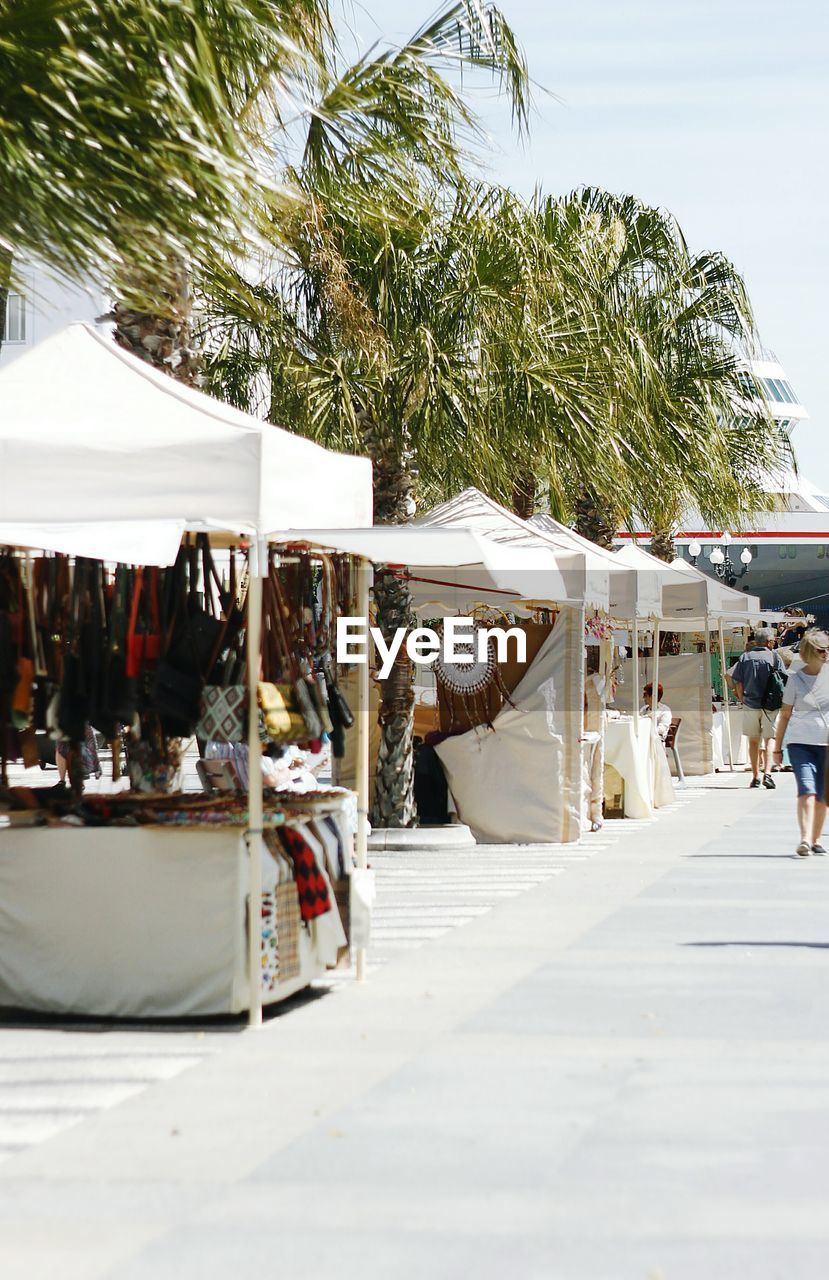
pixel 663 718
pixel 807 725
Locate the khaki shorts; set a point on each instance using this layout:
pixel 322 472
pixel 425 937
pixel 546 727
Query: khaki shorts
pixel 758 723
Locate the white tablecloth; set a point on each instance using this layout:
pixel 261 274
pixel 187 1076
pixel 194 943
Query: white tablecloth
pixel 141 922
pixel 719 739
pixel 641 761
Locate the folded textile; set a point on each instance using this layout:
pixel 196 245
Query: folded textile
pixel 314 898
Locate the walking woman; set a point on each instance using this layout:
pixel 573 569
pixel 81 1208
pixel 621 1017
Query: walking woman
pixel 808 733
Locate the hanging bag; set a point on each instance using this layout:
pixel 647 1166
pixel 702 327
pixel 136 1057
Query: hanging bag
pixel 73 698
pixel 143 632
pixel 223 709
pixel 118 689
pixel 23 695
pixel 176 686
pixel 302 680
pixel 283 718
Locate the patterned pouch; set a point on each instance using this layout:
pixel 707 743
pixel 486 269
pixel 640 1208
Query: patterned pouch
pixel 222 715
pixel 287 929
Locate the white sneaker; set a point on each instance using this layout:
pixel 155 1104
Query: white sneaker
pixel 804 848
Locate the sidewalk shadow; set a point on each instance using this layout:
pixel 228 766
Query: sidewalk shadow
pixel 93 1024
pixel 816 946
pixel 765 856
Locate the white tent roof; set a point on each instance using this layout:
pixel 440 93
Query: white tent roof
pixel 688 593
pixel 634 589
pixel 677 592
pixel 451 568
pixel 102 454
pixel 474 510
pixel 717 598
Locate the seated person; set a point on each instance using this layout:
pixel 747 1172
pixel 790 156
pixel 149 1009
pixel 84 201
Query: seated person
pixel 662 714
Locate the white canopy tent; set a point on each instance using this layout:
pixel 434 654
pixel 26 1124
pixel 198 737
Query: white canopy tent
pixel 451 569
pixel 691 601
pixel 102 455
pixel 634 590
pixel 584 580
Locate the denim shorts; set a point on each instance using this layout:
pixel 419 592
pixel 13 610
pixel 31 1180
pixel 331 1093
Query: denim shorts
pixel 808 763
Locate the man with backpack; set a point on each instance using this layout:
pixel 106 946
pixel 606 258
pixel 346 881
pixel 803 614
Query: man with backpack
pixel 759 680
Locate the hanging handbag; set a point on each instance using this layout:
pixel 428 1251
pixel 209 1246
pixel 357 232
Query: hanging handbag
pixel 196 638
pixel 197 634
pixel 22 698
pixel 282 718
pixel 283 722
pixel 143 634
pixel 342 716
pixel 222 713
pixel 301 696
pixel 176 696
pixel 74 695
pixel 224 706
pixel 118 701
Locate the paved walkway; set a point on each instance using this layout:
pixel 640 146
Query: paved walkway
pixel 621 1071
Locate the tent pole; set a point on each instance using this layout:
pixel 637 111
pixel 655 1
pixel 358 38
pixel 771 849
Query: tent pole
pixel 636 675
pixel 655 677
pixel 726 706
pixel 257 564
pixel 363 580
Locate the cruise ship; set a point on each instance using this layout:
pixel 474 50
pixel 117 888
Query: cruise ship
pixel 782 555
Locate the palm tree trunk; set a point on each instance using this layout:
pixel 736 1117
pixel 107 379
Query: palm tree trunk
pixel 662 544
pixel 394 503
pixel 523 494
pixel 595 520
pixel 159 330
pixel 5 278
pixel 394 784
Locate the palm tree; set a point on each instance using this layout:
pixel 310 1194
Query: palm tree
pixel 673 325
pixel 130 132
pixel 366 335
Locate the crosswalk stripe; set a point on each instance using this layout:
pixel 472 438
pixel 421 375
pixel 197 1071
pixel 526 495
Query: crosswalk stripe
pixel 41 1096
pixel 423 895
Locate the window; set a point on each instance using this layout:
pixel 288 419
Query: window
pixel 15 318
pixel 771 388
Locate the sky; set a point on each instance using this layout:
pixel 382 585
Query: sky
pixel 717 111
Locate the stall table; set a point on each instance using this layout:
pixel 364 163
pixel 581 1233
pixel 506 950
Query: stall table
pixel 719 739
pixel 137 922
pixel 640 759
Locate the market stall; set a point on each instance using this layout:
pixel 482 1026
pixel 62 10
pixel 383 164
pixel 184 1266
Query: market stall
pixel 472 557
pixel 150 920
pixel 149 459
pixel 702 609
pixel 451 569
pixel 635 599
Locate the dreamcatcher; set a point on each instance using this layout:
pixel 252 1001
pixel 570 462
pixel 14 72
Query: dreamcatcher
pixel 472 681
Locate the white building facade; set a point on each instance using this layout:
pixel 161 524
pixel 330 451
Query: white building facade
pixel 40 304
